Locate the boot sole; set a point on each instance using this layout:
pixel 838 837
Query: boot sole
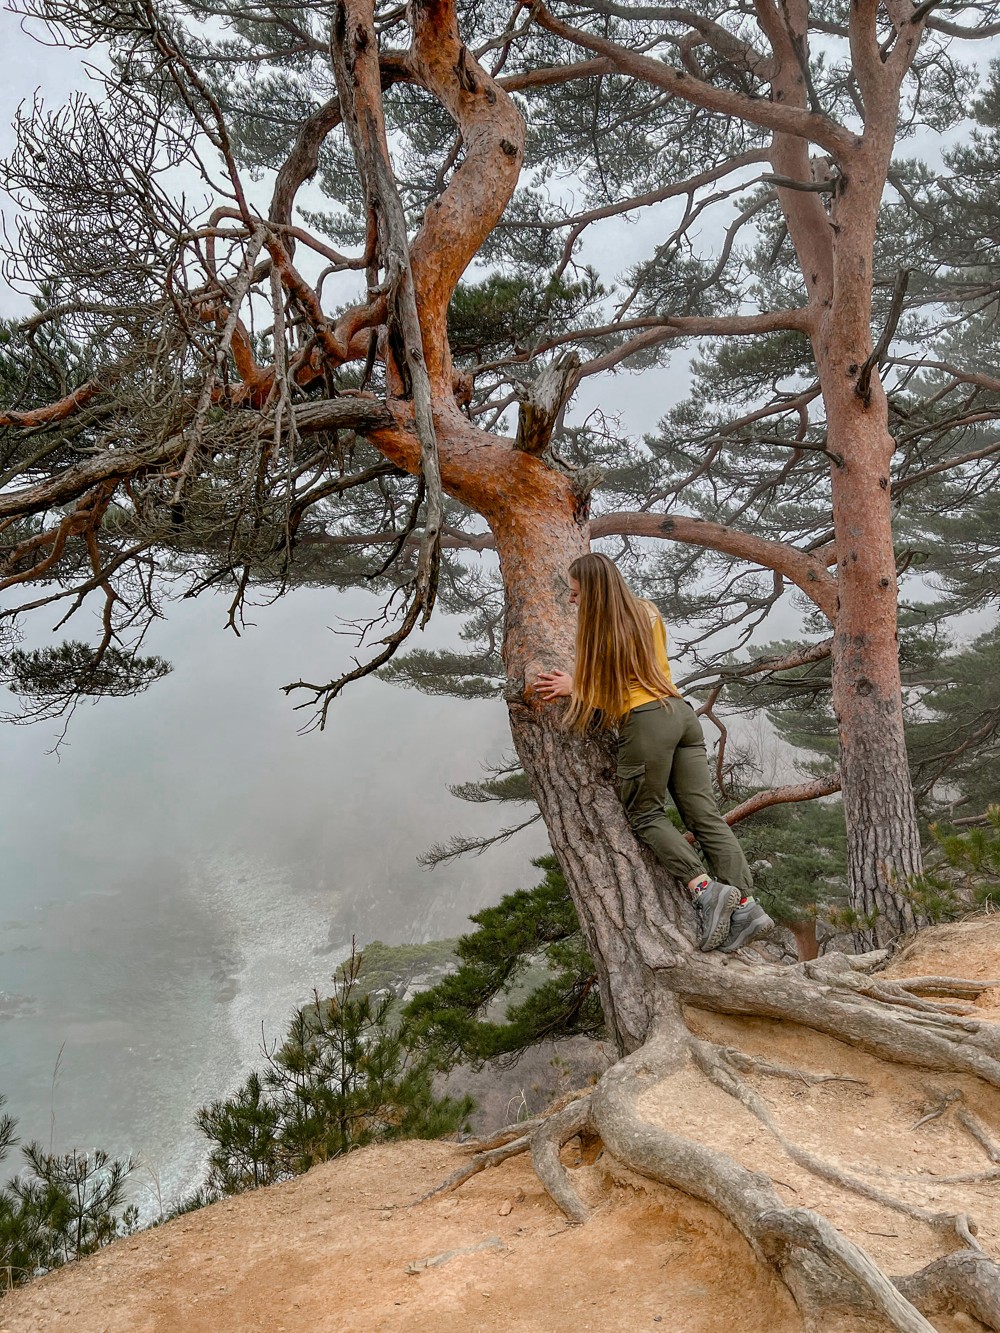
pixel 717 927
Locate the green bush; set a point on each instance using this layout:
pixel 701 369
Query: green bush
pixel 962 872
pixel 63 1206
pixel 343 1077
pixel 523 974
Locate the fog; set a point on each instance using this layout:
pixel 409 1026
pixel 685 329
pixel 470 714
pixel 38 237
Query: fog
pixel 186 866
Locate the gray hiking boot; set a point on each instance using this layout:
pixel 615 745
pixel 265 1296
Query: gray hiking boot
pixel 715 905
pixel 748 921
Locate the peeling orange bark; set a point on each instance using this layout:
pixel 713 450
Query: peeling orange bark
pixel 459 221
pixel 53 413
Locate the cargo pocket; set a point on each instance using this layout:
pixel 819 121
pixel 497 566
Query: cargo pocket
pixel 630 779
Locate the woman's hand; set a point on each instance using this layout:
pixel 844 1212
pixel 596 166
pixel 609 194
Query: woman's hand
pixel 553 685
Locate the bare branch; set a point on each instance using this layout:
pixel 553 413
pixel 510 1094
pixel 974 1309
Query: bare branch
pixel 792 793
pixel 805 571
pixel 768 115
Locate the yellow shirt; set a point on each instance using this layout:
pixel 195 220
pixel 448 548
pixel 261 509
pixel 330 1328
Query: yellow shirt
pixel 638 694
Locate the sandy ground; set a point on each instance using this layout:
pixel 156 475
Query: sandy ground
pixel 339 1249
pixel 333 1251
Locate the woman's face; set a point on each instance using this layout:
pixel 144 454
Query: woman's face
pixel 574 591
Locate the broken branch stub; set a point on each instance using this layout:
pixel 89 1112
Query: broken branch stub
pixel 542 400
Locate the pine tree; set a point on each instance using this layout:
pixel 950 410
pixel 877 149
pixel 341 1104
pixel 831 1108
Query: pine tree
pixel 61 1207
pixel 251 409
pixel 342 1077
pixel 523 975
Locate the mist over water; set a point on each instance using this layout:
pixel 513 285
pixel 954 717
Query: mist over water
pixel 189 868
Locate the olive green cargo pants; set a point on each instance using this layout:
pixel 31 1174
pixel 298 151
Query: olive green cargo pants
pixel 661 750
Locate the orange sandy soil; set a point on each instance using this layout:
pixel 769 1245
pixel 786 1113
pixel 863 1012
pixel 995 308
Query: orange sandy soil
pixel 339 1249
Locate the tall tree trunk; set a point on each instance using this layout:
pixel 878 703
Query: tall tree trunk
pixel 835 250
pixel 883 843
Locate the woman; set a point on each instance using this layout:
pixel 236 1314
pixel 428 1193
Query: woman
pixel 622 678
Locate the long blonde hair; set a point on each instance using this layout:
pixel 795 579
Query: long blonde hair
pixel 615 648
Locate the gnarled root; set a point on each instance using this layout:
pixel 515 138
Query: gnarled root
pixel 543 1136
pixel 713 1063
pixel 822 1267
pixel 884 1020
pixel 966 1280
pixel 827 1272
pixel 480 1161
pixel 778 1234
pixel 545 1144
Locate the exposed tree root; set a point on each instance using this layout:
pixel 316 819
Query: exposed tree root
pixel 959 987
pixel 545 1144
pixel 526 1136
pixel 831 1000
pixel 777 1233
pixel 838 996
pixel 752 1064
pixel 709 1061
pixel 881 988
pixel 960 1178
pixel 516 1131
pixel 966 1280
pixel 969 1122
pixel 945 1100
pixel 479 1162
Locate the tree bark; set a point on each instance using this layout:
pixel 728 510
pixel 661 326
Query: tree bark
pixel 806 943
pixel 630 915
pixel 835 251
pixel 883 842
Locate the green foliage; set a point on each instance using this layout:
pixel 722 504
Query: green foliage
pixel 393 969
pixel 504 315
pixel 441 671
pixel 797 701
pixel 508 787
pixel 48 677
pixel 951 709
pixel 199 1198
pixel 954 734
pixel 799 859
pixel 342 1078
pixel 532 940
pixel 63 1206
pixel 962 871
pixel 244 1132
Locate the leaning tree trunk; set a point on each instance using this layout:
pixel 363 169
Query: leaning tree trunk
pixel 632 915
